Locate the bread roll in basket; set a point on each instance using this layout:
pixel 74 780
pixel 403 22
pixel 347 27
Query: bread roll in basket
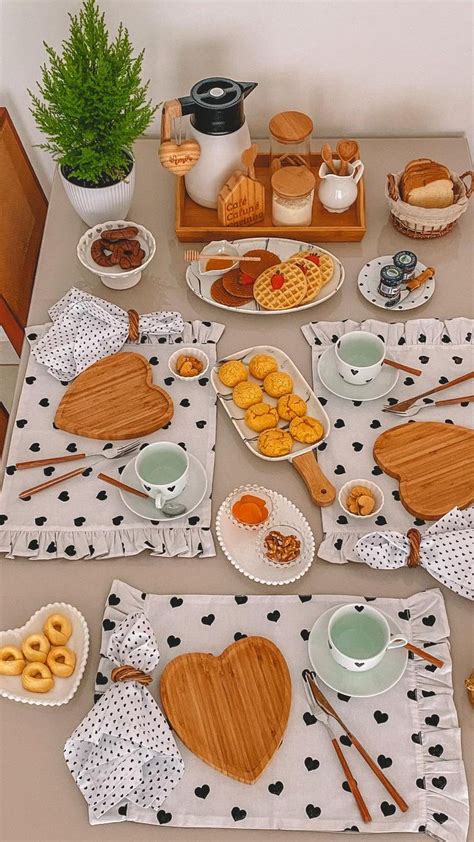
pixel 426 223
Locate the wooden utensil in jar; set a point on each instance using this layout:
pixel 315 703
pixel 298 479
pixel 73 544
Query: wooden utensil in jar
pixel 348 150
pixel 326 155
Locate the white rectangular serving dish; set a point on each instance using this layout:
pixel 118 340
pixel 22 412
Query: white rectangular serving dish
pixel 301 388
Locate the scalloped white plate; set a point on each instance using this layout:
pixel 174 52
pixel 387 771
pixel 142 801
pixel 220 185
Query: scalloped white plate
pixel 240 545
pixel 64 688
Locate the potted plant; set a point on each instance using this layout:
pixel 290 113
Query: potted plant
pixel 91 106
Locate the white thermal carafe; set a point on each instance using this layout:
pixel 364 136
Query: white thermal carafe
pixel 217 122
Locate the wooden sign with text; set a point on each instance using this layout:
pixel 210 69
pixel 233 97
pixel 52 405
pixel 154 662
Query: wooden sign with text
pixel 241 201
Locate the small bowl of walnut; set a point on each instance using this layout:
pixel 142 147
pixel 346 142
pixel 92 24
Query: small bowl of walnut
pixel 361 498
pixel 188 363
pixel 281 546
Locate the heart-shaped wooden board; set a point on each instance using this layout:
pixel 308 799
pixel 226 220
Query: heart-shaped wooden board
pixel 114 398
pixel 231 710
pixel 433 462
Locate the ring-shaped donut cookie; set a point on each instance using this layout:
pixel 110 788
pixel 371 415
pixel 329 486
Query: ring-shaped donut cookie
pixel 12 661
pixel 36 647
pixel 57 629
pixel 37 678
pixel 61 661
pixel 98 252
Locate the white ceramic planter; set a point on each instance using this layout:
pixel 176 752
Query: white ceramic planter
pixel 94 204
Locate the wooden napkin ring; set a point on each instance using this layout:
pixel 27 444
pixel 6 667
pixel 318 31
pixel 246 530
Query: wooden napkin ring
pixel 133 322
pixel 127 673
pixel 414 537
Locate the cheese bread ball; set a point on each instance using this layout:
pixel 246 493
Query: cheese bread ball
pixel 278 383
pixel 233 372
pixel 261 416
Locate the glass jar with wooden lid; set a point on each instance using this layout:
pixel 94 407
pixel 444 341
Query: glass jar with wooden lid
pixel 292 196
pixel 290 134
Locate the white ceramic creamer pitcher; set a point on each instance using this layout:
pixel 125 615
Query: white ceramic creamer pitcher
pixel 338 192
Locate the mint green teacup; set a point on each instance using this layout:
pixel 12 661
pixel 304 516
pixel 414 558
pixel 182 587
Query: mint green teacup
pixel 162 469
pixel 359 636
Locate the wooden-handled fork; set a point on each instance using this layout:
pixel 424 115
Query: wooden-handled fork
pixel 325 704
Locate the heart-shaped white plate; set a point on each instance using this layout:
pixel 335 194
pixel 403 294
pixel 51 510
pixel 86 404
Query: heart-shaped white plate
pixel 64 688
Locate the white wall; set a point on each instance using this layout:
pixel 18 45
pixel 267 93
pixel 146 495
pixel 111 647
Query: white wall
pixel 358 67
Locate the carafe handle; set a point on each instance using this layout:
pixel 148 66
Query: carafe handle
pixel 357 171
pixel 171 111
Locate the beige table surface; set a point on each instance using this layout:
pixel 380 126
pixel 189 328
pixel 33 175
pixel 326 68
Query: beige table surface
pixel 38 798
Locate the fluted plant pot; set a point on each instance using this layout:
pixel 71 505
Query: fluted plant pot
pixel 94 204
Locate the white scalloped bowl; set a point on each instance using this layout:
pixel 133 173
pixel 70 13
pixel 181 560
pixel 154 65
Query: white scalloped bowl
pixel 64 688
pixel 111 276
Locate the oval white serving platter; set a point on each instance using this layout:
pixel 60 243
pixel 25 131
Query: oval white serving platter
pixel 240 545
pixel 64 688
pixel 301 388
pixel 201 286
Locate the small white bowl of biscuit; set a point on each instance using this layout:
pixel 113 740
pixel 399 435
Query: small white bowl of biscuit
pixel 361 498
pixel 118 251
pixel 42 662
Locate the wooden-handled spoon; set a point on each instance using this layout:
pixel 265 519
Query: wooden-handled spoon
pixel 347 151
pixel 248 158
pixel 326 155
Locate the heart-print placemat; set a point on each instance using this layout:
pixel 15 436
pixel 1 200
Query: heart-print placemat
pixel 84 517
pixel 411 730
pixel 443 351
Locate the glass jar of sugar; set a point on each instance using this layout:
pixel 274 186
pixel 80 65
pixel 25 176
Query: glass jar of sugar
pixel 292 196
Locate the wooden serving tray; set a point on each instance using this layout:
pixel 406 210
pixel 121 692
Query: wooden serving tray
pixel 230 710
pixel 197 224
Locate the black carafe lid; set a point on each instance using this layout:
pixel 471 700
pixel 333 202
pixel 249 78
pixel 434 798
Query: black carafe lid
pixel 216 105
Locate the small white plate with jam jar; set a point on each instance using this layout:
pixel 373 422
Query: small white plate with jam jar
pixel 369 280
pixel 245 548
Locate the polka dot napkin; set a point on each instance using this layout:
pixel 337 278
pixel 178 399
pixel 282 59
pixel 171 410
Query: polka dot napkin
pixel 443 350
pixel 446 551
pixel 124 748
pixel 86 328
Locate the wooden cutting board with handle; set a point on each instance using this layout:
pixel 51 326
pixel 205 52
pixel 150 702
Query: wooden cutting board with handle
pixel 231 710
pixel 114 398
pixel 433 462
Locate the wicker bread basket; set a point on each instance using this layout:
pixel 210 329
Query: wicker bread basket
pixel 427 223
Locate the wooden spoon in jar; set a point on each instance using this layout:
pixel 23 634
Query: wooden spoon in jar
pixel 347 151
pixel 326 155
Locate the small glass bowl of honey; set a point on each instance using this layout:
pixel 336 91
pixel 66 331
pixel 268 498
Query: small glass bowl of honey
pixel 215 267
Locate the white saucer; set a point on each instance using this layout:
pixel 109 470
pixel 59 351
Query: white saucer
pixel 192 495
pixel 368 281
pixel 333 382
pixel 240 546
pixel 358 684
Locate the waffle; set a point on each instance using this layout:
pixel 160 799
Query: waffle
pixel 313 275
pixel 326 263
pixel 290 294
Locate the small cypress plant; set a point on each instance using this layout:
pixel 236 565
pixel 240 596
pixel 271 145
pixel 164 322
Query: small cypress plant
pixel 92 104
